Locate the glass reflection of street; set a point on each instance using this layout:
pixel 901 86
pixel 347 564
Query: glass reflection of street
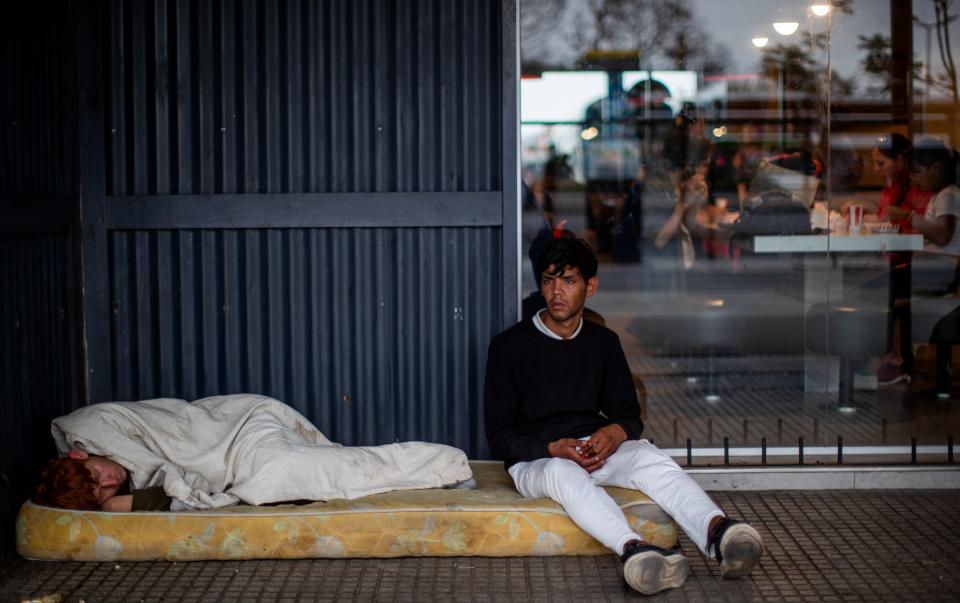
pixel 695 159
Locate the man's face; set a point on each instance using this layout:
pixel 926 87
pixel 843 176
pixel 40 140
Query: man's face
pixel 108 475
pixel 565 293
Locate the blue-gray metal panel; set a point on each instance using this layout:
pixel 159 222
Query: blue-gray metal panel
pixel 40 352
pixel 375 334
pixel 93 271
pixel 302 96
pixel 35 140
pixel 510 116
pixel 39 360
pixel 303 210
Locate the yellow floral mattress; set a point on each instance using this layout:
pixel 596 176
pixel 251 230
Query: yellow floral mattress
pixel 491 521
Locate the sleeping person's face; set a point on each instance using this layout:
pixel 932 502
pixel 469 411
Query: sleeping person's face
pixel 108 475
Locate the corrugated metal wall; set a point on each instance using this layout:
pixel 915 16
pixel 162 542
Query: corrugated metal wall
pixel 37 160
pixel 299 119
pixel 39 361
pixel 40 356
pixel 39 365
pixel 303 96
pixel 377 334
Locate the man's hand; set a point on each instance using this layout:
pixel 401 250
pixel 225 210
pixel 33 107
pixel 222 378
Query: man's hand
pixel 570 448
pixel 604 442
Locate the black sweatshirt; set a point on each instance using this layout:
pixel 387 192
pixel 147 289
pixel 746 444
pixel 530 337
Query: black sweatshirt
pixel 540 389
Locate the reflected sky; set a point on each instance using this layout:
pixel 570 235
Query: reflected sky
pixel 732 24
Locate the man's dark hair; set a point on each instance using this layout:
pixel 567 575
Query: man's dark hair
pixel 540 243
pixel 566 253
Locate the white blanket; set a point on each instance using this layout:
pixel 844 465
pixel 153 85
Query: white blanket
pixel 220 450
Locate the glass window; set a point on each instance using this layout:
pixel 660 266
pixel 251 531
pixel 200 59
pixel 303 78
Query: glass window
pixel 770 188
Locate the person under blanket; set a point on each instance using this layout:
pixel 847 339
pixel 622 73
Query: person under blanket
pixel 561 410
pixel 170 454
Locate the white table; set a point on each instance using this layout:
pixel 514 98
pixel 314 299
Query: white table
pixel 838 243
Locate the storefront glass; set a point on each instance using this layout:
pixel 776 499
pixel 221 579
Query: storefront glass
pixel 756 176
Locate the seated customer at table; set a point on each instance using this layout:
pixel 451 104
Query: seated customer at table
pixel 934 170
pixel 695 217
pixel 935 268
pixel 891 159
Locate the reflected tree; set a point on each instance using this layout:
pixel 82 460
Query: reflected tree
pixel 876 61
pixel 663 33
pixel 947 80
pixel 802 71
pixel 800 64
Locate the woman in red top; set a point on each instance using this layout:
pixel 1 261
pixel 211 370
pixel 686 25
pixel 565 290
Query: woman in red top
pixel 891 157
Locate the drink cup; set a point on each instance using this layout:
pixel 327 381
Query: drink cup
pixel 856 219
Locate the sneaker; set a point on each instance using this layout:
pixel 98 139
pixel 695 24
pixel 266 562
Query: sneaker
pixel 737 547
pixel 650 569
pixel 891 374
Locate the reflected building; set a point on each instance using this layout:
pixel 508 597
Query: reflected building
pixel 719 199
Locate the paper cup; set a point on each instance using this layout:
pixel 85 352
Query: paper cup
pixel 856 219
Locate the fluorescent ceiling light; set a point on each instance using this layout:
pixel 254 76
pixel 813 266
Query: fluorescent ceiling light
pixel 785 28
pixel 820 10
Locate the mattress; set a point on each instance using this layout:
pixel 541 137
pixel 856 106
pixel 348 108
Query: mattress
pixel 492 521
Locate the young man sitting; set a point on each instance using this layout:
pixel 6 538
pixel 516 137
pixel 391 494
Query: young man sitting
pixel 561 410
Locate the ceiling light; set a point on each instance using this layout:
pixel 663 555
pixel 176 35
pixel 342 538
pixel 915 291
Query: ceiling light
pixel 760 42
pixel 590 133
pixel 820 10
pixel 785 28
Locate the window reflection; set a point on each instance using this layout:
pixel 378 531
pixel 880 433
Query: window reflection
pixel 754 176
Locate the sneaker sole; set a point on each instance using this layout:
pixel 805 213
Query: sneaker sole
pixel 650 572
pixel 741 549
pixel 898 379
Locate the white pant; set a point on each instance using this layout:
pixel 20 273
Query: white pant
pixel 638 465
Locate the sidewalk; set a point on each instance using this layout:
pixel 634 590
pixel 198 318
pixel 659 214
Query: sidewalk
pixel 822 546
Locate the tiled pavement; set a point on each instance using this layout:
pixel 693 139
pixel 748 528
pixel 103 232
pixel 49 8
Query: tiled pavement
pixel 822 546
pixel 763 397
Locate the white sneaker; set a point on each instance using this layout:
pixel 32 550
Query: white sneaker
pixel 650 569
pixel 737 547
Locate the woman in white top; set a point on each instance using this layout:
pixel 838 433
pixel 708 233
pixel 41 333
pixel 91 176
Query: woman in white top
pixel 935 269
pixel 934 170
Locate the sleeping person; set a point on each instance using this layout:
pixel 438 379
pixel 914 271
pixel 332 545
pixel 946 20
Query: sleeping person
pixel 169 454
pixel 87 483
